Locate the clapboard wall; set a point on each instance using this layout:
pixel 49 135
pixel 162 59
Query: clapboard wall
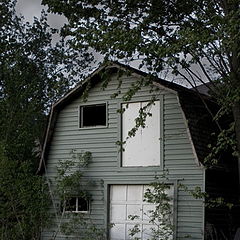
pixel 177 155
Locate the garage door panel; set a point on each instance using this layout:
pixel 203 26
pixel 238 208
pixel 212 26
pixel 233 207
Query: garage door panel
pixel 134 209
pixel 118 212
pixel 117 231
pixel 147 209
pixel 146 231
pixel 118 193
pixel 134 193
pixel 128 229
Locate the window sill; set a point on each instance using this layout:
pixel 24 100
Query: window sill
pixel 94 127
pixel 77 212
pixel 140 168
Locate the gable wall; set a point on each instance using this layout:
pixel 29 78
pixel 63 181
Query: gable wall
pixel 177 154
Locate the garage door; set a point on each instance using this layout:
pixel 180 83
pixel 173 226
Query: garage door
pixel 127 200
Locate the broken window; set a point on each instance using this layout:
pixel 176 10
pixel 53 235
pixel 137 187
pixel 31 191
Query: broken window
pixel 93 115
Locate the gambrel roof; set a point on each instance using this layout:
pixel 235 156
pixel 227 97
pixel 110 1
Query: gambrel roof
pixel 193 104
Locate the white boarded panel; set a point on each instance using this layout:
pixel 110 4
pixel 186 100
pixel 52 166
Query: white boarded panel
pixel 144 148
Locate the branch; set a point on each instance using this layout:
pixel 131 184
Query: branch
pixel 216 65
pixel 202 99
pixel 190 72
pixel 16 215
pixel 222 62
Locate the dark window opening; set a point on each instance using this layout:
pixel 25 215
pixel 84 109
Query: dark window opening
pixel 83 205
pixel 76 204
pixel 93 115
pixel 70 205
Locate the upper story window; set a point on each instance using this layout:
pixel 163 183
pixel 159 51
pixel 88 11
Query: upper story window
pixel 144 148
pixel 93 115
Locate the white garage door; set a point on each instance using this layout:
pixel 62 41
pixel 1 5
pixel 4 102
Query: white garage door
pixel 127 200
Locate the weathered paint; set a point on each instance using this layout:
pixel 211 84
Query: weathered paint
pixel 177 155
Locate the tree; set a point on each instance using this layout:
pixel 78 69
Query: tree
pixel 33 74
pixel 176 36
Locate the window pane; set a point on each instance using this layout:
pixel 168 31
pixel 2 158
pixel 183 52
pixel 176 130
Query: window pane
pixel 71 204
pixel 83 205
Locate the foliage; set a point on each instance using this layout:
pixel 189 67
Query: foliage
pixel 161 33
pixel 140 120
pixel 34 73
pixel 219 204
pixel 24 200
pixel 70 182
pixel 225 142
pixel 75 225
pixel 161 217
pixel 69 175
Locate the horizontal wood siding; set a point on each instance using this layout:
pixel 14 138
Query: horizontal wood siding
pixel 178 157
pixel 180 162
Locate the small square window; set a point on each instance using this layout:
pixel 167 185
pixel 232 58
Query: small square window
pixel 77 204
pixel 93 115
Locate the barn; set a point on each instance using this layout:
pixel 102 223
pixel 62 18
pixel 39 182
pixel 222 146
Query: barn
pixel 95 120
